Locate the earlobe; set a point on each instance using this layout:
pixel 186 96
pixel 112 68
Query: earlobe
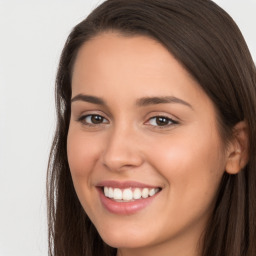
pixel 238 150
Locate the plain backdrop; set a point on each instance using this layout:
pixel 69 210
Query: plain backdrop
pixel 32 34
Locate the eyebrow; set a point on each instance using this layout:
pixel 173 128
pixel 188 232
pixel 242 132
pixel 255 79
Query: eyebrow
pixel 161 100
pixel 89 98
pixel 142 102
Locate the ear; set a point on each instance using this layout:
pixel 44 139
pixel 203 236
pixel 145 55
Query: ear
pixel 238 149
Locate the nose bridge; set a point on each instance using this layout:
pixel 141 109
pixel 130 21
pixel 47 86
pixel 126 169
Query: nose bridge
pixel 121 149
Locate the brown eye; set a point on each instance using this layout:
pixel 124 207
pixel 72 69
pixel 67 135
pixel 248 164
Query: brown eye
pixel 94 119
pixel 161 121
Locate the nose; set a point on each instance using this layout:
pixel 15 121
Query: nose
pixel 122 150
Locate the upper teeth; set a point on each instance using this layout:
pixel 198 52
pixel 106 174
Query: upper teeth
pixel 128 194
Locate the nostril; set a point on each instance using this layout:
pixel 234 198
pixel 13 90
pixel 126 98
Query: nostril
pixel 121 154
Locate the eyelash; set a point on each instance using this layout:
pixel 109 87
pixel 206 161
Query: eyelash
pixel 82 119
pixel 160 118
pixel 170 122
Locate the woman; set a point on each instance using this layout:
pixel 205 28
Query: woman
pixel 154 152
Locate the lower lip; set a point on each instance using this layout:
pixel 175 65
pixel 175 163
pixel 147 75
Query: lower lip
pixel 125 208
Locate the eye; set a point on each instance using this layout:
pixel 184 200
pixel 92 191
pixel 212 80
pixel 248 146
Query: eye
pixel 93 119
pixel 161 121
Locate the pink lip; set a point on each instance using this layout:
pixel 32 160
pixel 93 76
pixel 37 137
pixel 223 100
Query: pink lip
pixel 126 184
pixel 124 208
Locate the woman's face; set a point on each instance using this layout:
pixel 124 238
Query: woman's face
pixel 143 131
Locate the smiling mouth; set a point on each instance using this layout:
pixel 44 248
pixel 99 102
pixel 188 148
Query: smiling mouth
pixel 129 194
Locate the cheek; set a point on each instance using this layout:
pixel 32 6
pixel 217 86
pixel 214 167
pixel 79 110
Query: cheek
pixel 82 153
pixel 192 167
pixel 82 156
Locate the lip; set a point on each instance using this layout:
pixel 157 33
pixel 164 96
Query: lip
pixel 124 184
pixel 124 208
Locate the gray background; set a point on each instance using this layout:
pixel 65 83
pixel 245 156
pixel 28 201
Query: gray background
pixel 32 34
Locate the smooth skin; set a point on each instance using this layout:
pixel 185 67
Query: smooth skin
pixel 120 136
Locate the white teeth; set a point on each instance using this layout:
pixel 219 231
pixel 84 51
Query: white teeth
pixel 137 193
pixel 106 193
pixel 110 193
pixel 129 194
pixel 118 195
pixel 153 191
pixel 145 192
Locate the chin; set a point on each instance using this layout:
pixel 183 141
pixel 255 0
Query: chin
pixel 123 239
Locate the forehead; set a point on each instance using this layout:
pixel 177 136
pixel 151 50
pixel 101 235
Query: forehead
pixel 130 58
pixel 135 66
pixel 119 51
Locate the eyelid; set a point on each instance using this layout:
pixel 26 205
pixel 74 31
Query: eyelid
pixel 173 120
pixel 103 118
pixel 83 116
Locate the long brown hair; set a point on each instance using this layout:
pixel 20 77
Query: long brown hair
pixel 207 42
